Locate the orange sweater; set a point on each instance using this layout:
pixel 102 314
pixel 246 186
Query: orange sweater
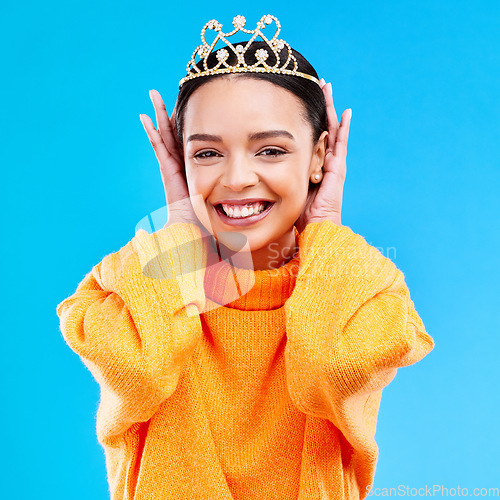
pixel 273 396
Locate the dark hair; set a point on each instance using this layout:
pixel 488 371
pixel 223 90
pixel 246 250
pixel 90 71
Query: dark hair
pixel 306 90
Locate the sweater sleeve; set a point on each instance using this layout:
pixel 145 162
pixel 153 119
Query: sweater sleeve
pixel 134 321
pixel 350 325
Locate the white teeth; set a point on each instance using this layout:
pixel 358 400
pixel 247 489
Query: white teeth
pixel 237 211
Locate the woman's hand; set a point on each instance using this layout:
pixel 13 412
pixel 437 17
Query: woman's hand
pixel 324 200
pixel 169 156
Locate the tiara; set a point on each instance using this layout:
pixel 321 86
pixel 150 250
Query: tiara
pixel 288 67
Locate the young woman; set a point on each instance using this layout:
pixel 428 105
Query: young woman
pixel 260 380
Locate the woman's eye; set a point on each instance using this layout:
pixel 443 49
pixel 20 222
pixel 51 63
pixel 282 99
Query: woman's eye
pixel 272 152
pixel 206 154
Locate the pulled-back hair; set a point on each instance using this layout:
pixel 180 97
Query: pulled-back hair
pixel 306 90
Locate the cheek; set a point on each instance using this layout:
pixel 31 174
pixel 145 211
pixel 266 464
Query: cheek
pixel 198 194
pixel 196 181
pixel 290 177
pixel 190 176
pixel 200 186
pixel 298 189
pixel 296 184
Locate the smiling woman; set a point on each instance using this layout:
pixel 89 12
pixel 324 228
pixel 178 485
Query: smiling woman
pixel 226 372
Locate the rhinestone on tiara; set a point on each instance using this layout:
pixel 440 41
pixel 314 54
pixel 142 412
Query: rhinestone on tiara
pixel 275 45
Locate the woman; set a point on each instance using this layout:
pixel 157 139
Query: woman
pixel 262 379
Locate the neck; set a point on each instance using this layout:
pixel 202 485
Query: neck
pixel 277 253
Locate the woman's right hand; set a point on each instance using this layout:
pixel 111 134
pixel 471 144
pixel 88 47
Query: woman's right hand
pixel 169 156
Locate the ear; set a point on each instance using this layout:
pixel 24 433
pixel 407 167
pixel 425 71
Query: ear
pixel 319 153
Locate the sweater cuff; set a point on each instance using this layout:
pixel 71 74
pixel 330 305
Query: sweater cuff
pixel 328 250
pixel 174 253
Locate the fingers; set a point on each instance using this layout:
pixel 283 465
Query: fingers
pixel 171 170
pixel 330 108
pixel 335 166
pixel 161 152
pixel 165 127
pixel 172 119
pixel 333 122
pixel 340 150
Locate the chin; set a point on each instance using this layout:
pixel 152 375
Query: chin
pixel 237 241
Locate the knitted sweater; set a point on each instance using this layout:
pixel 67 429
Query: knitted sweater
pixel 273 395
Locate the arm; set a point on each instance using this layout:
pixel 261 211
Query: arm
pixel 134 322
pixel 350 324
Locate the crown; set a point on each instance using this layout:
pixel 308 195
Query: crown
pixel 275 45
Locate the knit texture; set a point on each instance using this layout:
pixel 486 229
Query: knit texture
pixel 211 393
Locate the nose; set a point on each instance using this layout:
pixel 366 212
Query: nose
pixel 238 174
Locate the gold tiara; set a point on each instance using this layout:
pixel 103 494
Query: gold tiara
pixel 288 67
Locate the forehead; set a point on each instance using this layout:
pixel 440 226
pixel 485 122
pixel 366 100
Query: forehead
pixel 245 103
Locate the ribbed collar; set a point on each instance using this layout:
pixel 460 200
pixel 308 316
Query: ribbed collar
pixel 271 288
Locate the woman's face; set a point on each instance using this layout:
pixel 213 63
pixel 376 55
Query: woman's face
pixel 247 142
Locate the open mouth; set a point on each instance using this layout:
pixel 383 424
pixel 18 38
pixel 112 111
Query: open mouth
pixel 243 214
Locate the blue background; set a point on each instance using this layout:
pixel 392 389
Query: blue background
pixel 422 79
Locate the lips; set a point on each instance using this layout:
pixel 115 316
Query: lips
pixel 243 221
pixel 244 201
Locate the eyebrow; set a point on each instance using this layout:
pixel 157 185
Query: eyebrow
pixel 268 134
pixel 252 137
pixel 205 137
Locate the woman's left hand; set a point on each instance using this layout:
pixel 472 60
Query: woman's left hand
pixel 324 200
